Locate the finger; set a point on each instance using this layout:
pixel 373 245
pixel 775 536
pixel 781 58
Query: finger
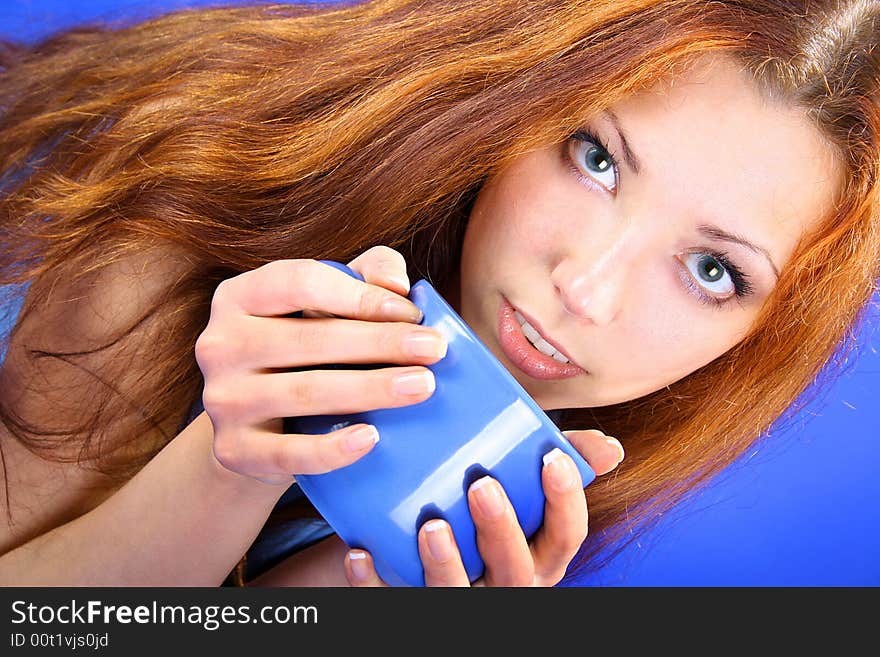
pixel 360 571
pixel 321 392
pixel 283 287
pixel 289 454
pixel 276 342
pixel 603 453
pixel 565 518
pixel 440 556
pixel 500 539
pixel 383 266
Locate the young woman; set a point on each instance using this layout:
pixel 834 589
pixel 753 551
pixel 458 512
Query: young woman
pixel 681 198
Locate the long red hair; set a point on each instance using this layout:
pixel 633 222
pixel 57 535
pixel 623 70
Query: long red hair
pixel 246 135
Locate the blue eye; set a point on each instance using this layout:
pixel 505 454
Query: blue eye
pixel 710 274
pixel 714 279
pixel 593 163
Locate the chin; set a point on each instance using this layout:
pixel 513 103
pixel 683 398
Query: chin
pixel 550 402
pixel 553 402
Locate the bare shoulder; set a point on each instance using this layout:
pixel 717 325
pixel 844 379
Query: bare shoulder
pixel 51 485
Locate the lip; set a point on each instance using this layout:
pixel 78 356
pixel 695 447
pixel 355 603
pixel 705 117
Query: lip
pixel 544 335
pixel 521 353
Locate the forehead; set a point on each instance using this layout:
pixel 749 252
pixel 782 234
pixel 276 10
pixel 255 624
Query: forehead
pixel 717 149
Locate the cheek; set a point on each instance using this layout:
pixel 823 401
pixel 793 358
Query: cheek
pixel 532 205
pixel 672 336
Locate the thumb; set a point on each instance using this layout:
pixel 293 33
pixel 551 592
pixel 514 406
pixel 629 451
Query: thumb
pixel 603 453
pixel 383 266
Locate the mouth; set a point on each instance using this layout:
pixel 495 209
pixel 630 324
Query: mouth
pixel 529 349
pixel 539 340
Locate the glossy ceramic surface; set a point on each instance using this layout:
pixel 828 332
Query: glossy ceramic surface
pixel 478 421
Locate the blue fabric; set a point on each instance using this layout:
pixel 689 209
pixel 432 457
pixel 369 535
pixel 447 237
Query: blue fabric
pixel 11 299
pixel 285 539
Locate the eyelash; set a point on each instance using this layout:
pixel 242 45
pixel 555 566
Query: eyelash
pixel 586 135
pixel 741 285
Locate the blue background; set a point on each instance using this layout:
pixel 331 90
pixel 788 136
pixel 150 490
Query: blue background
pixel 800 509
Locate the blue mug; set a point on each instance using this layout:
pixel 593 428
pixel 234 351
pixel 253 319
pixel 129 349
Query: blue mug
pixel 479 421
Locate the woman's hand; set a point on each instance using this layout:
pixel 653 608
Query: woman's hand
pixel 509 559
pixel 250 345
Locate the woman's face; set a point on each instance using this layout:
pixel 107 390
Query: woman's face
pixel 645 246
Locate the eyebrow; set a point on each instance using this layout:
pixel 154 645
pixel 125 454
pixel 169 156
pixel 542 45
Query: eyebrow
pixel 714 232
pixel 628 155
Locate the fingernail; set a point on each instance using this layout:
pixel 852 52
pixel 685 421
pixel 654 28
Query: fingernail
pixel 614 442
pixel 488 496
pixel 560 475
pixel 359 568
pixel 439 540
pixel 399 308
pixel 413 383
pixel 425 344
pixel 361 438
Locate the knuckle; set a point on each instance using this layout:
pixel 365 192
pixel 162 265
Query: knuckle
pixel 212 398
pixel 298 275
pixel 370 300
pixel 392 342
pixel 300 390
pixel 214 352
pixel 221 401
pixel 226 452
pixel 307 339
pixel 507 528
pixel 501 529
pixel 206 348
pixel 284 458
pixel 221 295
pixel 299 269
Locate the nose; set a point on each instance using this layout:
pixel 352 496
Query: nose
pixel 592 282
